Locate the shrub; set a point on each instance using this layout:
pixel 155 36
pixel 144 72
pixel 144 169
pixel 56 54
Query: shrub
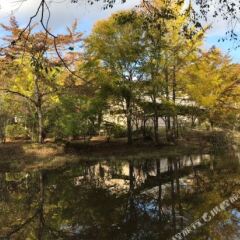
pixel 221 140
pixel 114 130
pixel 16 131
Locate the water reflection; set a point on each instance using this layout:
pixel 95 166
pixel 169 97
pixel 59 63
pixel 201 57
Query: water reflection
pixel 144 199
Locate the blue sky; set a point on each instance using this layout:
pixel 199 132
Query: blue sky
pixel 63 14
pixel 228 47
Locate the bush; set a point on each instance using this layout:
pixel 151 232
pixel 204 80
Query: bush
pixel 221 140
pixel 115 130
pixel 119 131
pixel 16 131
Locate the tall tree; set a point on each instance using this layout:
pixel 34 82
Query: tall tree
pixel 117 44
pixel 212 82
pixel 33 70
pixel 172 42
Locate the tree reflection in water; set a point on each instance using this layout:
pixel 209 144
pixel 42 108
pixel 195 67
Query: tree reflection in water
pixel 147 199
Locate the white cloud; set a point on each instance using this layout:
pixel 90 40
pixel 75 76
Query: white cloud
pixel 63 13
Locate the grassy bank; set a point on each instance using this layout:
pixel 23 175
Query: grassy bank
pixel 29 156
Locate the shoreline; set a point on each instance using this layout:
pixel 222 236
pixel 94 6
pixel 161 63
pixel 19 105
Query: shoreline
pixel 34 157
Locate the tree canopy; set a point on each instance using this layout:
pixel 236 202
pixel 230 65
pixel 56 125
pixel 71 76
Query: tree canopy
pixel 137 72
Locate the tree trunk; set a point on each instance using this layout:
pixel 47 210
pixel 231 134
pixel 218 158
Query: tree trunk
pixel 129 129
pixel 155 120
pixel 174 101
pixel 144 128
pixel 129 121
pixel 100 117
pixel 156 136
pixel 38 105
pixel 40 123
pixel 168 130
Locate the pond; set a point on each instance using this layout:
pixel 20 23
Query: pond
pixel 122 199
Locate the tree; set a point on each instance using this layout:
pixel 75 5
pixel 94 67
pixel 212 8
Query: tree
pixel 117 45
pixel 171 42
pixel 30 73
pixel 212 82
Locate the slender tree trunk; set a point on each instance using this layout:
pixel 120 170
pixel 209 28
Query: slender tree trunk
pixel 193 121
pixel 156 135
pixel 177 129
pixel 129 121
pixel 99 120
pixel 144 127
pixel 38 105
pixel 129 129
pixel 40 123
pixel 167 97
pixel 174 85
pixel 3 132
pixel 155 120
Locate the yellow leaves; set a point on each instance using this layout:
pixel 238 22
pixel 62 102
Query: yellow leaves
pixel 104 27
pixel 207 79
pixel 22 81
pixel 54 99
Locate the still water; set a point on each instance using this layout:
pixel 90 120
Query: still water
pixel 122 200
